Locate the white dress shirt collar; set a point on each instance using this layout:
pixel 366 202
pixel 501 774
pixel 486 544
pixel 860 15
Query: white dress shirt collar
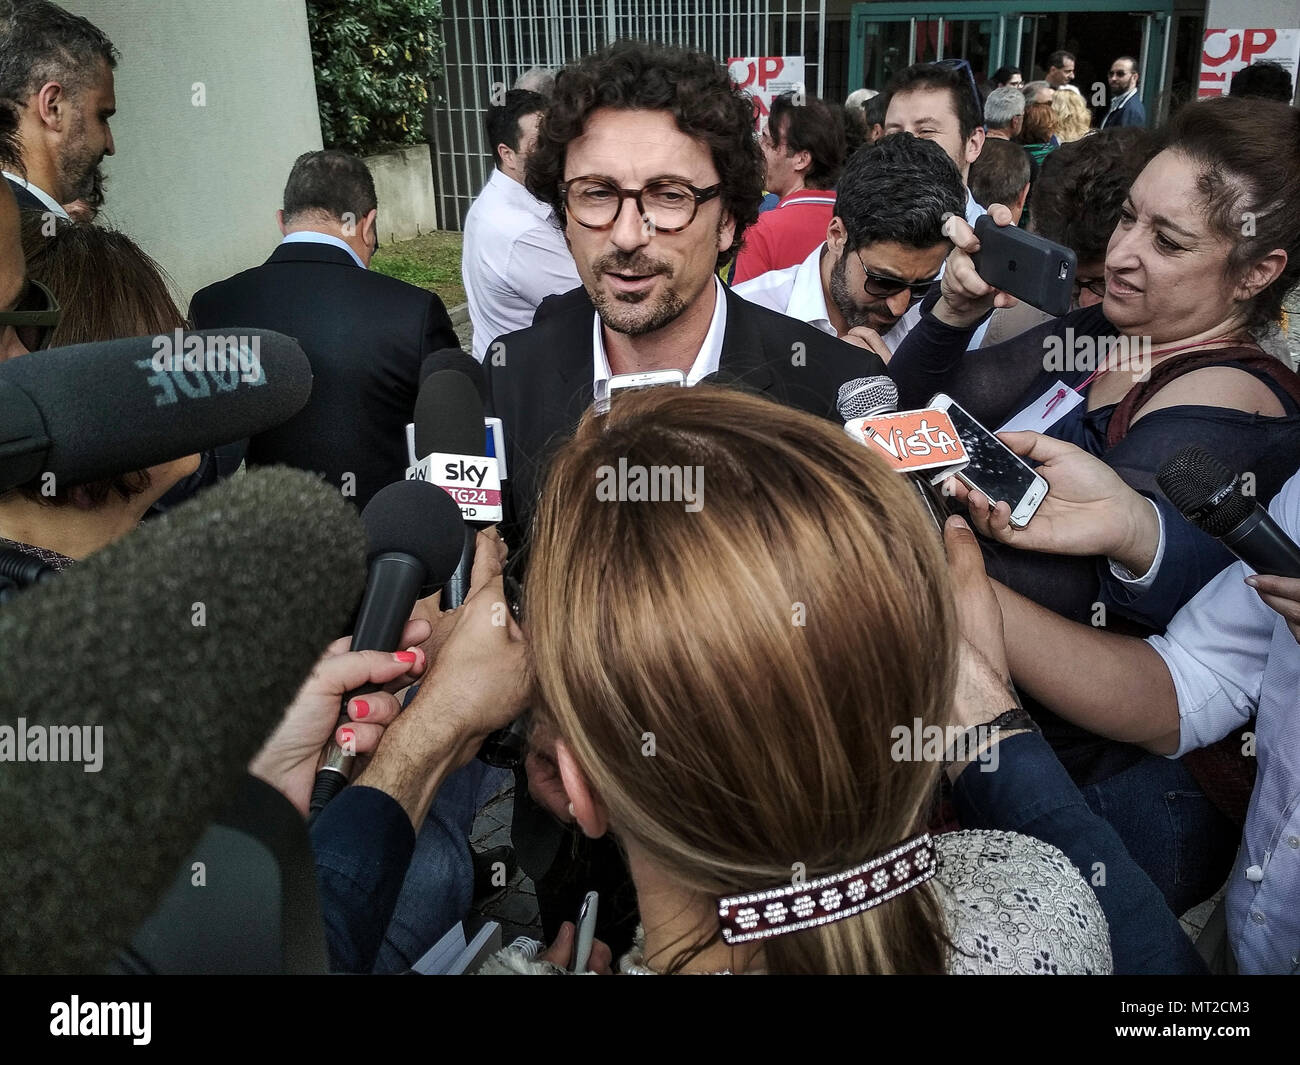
pixel 807 297
pixel 45 198
pixel 510 190
pixel 706 360
pixel 307 236
pixel 1120 101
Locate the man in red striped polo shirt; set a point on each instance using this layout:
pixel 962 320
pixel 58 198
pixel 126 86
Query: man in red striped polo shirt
pixel 803 147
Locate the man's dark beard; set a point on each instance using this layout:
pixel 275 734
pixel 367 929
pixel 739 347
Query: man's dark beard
pixel 86 180
pixel 668 308
pixel 92 191
pixel 853 315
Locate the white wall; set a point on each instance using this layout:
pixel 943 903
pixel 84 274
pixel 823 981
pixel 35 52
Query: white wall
pixel 198 186
pixel 1245 14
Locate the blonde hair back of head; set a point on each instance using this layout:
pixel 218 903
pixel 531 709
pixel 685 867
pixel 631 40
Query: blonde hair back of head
pixel 764 646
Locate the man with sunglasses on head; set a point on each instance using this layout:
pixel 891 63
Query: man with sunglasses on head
pixel 648 157
pixel 939 102
pixel 884 247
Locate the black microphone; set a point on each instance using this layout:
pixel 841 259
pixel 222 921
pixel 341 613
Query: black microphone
pixel 23 570
pixel 183 643
pixel 870 397
pixel 449 421
pixel 459 360
pixel 1209 495
pixel 91 411
pixel 414 533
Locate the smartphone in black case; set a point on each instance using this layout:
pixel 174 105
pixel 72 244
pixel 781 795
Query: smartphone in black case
pixel 1029 267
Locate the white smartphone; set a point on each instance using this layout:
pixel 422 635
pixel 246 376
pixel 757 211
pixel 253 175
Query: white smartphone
pixel 994 468
pixel 586 932
pixel 650 379
pixel 604 390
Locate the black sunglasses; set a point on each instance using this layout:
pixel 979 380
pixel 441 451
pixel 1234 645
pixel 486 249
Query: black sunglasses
pixel 882 286
pixel 34 317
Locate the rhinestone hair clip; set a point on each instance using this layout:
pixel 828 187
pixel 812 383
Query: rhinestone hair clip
pixel 829 898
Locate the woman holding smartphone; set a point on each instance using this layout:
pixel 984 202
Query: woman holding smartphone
pixel 1207 244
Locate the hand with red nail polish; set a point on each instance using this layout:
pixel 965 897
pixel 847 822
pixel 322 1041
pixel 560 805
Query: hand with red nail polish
pixel 288 760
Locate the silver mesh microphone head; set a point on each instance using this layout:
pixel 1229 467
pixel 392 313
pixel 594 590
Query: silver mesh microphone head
pixel 866 397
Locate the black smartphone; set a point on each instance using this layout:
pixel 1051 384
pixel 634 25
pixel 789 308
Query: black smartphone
pixel 1029 267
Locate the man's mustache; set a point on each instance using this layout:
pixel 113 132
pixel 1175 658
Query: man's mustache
pixel 631 264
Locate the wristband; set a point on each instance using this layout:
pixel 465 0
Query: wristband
pixel 1013 720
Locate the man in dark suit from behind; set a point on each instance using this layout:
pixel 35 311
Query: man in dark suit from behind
pixel 650 301
pixel 365 334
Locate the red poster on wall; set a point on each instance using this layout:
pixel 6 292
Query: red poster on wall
pixel 1225 52
pixel 765 78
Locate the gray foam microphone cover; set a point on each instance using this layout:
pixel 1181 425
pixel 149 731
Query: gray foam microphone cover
pixel 184 641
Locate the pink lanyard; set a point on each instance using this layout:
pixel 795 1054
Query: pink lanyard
pixel 1061 392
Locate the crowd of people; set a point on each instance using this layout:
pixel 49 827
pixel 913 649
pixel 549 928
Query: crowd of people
pixel 714 693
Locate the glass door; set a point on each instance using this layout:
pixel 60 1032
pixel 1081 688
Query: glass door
pixel 886 38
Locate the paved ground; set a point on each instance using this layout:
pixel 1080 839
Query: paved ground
pixel 515 908
pixel 464 333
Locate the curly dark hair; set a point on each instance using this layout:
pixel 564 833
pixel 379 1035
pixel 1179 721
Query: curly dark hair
pixel 1081 187
pixel 814 126
pixel 637 75
pixel 901 190
pixel 1263 79
pixel 11 151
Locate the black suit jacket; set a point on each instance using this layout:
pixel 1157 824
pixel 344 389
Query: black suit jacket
pixel 27 201
pixel 366 336
pixel 540 389
pixel 543 383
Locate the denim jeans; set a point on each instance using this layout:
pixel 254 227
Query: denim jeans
pixel 439 884
pixel 1172 831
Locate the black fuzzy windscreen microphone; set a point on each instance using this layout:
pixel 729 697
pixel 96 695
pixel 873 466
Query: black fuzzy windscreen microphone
pixel 91 411
pixel 449 416
pixel 184 643
pixel 1210 495
pixel 459 360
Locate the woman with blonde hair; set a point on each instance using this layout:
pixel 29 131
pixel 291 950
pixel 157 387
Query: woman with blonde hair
pixel 745 681
pixel 1073 119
